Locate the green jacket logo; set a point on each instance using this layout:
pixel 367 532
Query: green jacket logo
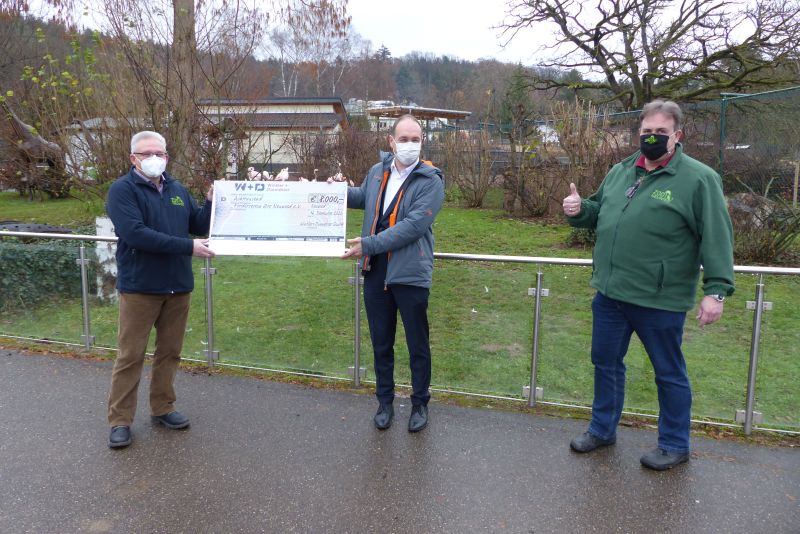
pixel 651 140
pixel 665 196
pixel 176 201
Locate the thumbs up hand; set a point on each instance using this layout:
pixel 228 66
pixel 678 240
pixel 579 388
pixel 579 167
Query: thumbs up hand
pixel 572 203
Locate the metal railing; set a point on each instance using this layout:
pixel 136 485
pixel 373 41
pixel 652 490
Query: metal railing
pixel 747 417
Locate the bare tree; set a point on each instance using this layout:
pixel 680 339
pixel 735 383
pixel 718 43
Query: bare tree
pixel 181 92
pixel 228 35
pixel 60 10
pixel 181 52
pixel 61 95
pixel 357 149
pixel 517 125
pixel 314 153
pixel 370 76
pixel 37 163
pixel 688 50
pixel 315 34
pixel 470 156
pixel 18 46
pixel 589 142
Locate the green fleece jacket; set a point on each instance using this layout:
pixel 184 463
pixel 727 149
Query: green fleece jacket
pixel 650 247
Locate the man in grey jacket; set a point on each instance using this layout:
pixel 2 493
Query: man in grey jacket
pixel 400 196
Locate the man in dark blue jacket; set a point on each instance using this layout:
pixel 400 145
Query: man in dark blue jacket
pixel 400 196
pixel 153 216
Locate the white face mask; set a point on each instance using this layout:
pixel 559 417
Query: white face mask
pixel 153 166
pixel 407 153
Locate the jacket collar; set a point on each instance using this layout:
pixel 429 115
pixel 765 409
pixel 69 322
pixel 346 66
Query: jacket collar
pixel 137 177
pixel 671 167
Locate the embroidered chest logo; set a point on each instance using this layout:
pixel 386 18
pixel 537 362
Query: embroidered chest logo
pixel 665 196
pixel 176 201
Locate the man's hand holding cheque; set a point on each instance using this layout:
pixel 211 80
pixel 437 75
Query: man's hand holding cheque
pixel 355 249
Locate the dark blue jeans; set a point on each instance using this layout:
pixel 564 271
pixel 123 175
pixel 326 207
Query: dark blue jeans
pixel 382 304
pixel 661 333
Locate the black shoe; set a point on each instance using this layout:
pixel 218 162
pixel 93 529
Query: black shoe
pixel 383 419
pixel 418 419
pixel 587 442
pixel 661 460
pixel 120 437
pixel 174 420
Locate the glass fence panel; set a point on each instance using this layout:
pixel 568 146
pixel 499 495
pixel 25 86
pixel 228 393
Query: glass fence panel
pixel 103 301
pixel 40 290
pixel 777 396
pixel 293 314
pixel 296 314
pixel 480 329
pixel 565 371
pixel 104 304
pixel 716 356
pixel 196 341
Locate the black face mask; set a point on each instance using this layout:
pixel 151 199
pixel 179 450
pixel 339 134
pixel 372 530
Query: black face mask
pixel 653 146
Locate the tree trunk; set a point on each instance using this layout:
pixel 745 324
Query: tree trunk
pixel 181 91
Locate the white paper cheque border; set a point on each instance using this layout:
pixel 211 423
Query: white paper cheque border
pixel 278 218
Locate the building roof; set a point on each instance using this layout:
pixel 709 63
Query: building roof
pixel 273 100
pixel 277 121
pixel 97 123
pixel 418 112
pixel 282 120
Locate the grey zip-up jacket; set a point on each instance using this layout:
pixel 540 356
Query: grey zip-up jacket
pixel 409 241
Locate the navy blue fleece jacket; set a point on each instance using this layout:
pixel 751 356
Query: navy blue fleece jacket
pixel 154 252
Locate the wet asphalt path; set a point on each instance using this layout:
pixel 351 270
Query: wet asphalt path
pixel 271 457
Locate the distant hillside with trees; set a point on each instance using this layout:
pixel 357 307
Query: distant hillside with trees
pixel 422 78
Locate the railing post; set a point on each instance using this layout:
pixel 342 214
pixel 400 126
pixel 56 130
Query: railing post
pixel 754 342
pixel 210 353
pixel 723 126
pixel 535 349
pixel 357 330
pixel 87 338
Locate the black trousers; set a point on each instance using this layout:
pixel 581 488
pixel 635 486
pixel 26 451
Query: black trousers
pixel 382 304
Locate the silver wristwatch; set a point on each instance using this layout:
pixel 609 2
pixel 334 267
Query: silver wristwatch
pixel 719 298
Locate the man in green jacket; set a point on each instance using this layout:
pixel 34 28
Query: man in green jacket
pixel 658 216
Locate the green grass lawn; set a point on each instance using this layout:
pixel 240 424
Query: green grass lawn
pixel 69 212
pixel 297 313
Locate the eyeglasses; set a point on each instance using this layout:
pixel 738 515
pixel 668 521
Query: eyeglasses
pixel 150 154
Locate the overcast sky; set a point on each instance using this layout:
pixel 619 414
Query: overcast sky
pixel 467 29
pixel 460 28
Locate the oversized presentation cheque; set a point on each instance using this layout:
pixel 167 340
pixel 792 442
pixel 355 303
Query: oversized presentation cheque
pixel 278 218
